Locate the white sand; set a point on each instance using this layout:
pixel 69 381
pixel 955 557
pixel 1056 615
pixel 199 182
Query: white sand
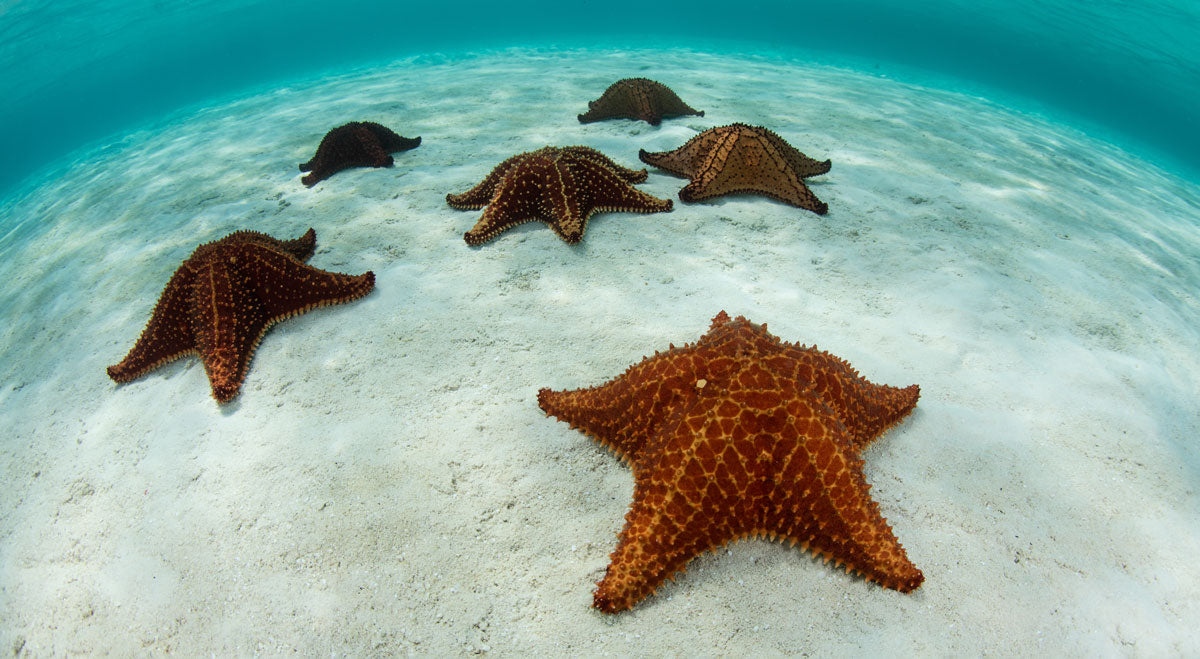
pixel 386 483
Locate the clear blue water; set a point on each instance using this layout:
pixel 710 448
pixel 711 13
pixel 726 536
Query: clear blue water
pixel 1037 283
pixel 76 73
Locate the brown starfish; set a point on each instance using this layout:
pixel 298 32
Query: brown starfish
pixel 225 296
pixel 356 144
pixel 741 158
pixel 561 186
pixel 637 98
pixel 741 435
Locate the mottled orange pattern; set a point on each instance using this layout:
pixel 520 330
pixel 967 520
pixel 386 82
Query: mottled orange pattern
pixel 741 435
pixel 741 158
pixel 637 98
pixel 561 186
pixel 225 296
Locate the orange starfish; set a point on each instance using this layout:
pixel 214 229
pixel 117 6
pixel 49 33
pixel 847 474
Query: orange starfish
pixel 741 158
pixel 223 299
pixel 561 186
pixel 740 435
pixel 637 98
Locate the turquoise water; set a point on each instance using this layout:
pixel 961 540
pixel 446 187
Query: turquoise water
pixel 75 73
pixel 386 482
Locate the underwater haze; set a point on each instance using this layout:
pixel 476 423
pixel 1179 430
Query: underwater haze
pixel 74 72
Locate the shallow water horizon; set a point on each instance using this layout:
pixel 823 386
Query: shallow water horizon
pixel 79 74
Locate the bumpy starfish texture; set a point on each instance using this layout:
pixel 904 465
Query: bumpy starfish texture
pixel 637 98
pixel 741 158
pixel 741 435
pixel 356 144
pixel 561 186
pixel 225 296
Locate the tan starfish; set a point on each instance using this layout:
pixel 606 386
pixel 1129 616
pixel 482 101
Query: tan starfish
pixel 741 158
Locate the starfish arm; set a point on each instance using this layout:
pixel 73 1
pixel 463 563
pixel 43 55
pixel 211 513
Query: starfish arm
pixel 822 502
pixel 624 412
pixel 710 163
pixel 600 413
pixel 651 548
pixel 660 160
pixel 867 409
pixel 626 174
pixel 794 159
pixel 592 114
pixel 803 165
pixel 612 103
pixel 883 406
pixel 606 191
pixel 685 160
pixel 321 166
pixel 166 337
pixel 799 196
pixel 371 151
pixel 285 286
pixel 402 143
pixel 673 106
pixel 516 201
pixel 301 248
pixel 315 161
pixel 562 203
pixel 664 101
pixel 228 323
pixel 695 490
pixel 389 139
pixel 480 195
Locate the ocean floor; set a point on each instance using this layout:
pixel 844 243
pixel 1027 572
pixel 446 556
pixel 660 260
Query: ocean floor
pixel 386 482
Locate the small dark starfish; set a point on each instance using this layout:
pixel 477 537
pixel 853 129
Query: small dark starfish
pixel 356 144
pixel 637 98
pixel 561 186
pixel 741 158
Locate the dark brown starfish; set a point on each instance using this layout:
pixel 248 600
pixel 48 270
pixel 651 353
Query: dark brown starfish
pixel 637 98
pixel 561 186
pixel 223 299
pixel 356 144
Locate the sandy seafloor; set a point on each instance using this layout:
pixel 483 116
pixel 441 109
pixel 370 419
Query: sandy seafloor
pixel 386 483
